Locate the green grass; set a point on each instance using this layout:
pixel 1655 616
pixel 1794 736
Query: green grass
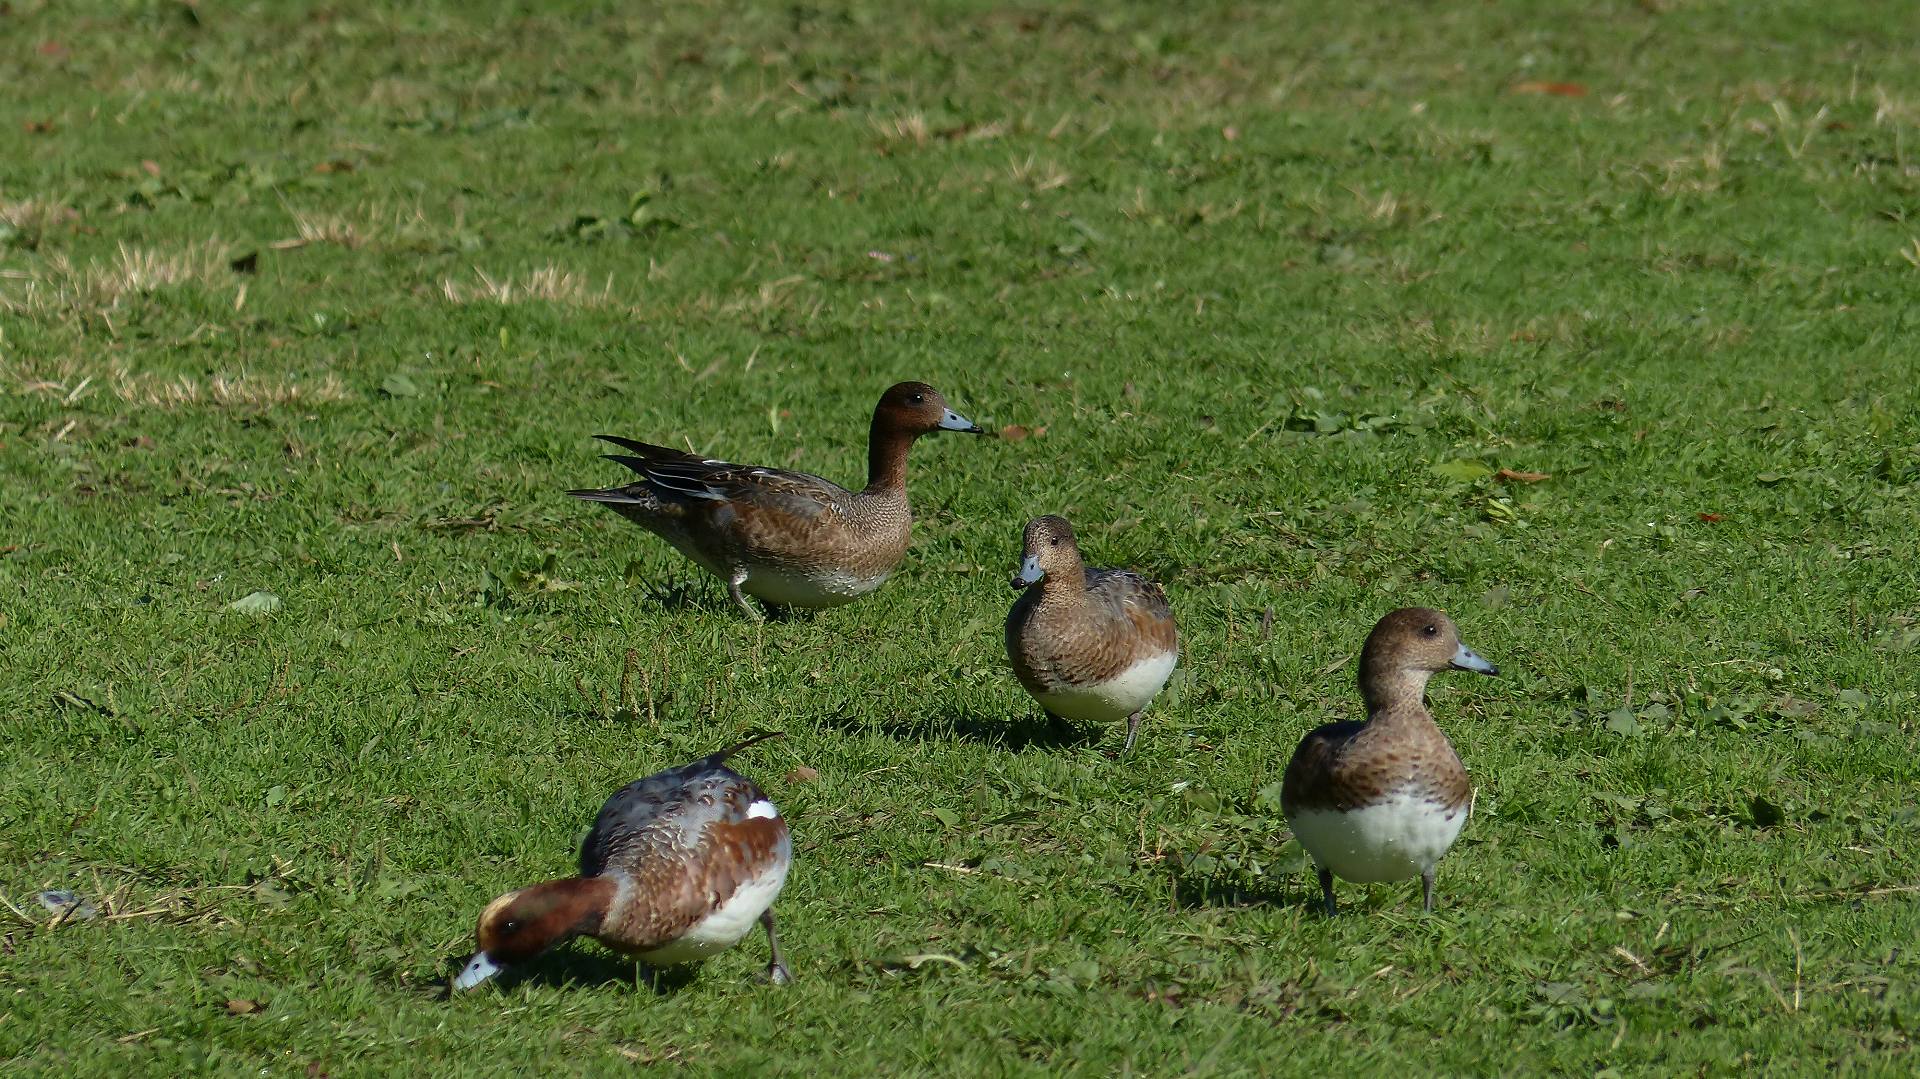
pixel 1255 270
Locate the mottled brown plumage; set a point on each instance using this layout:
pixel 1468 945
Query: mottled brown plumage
pixel 1087 643
pixel 1396 762
pixel 676 867
pixel 786 537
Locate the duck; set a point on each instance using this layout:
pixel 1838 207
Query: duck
pixel 1090 645
pixel 787 538
pixel 679 866
pixel 1382 799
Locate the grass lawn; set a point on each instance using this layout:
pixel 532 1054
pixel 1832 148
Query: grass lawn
pixel 1592 323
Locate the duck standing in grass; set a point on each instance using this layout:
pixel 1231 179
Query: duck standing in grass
pixel 1381 799
pixel 791 539
pixel 678 867
pixel 1091 645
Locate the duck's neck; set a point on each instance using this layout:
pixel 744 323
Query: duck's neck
pixel 1395 694
pixel 887 460
pixel 574 905
pixel 1064 587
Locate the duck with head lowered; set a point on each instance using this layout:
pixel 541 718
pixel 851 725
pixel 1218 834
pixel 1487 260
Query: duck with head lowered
pixel 679 866
pixel 1381 799
pixel 788 538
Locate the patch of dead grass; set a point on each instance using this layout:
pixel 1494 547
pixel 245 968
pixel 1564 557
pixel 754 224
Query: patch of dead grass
pixel 72 380
pixel 548 284
pixel 59 286
pixel 26 223
pixel 324 229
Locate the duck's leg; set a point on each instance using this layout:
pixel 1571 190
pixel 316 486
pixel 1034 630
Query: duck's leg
pixel 1133 731
pixel 1426 889
pixel 1326 891
pixel 734 582
pixel 777 971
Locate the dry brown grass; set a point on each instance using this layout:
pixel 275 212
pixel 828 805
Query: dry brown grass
pixel 26 223
pixel 58 286
pixel 548 284
pixel 324 229
pixel 72 381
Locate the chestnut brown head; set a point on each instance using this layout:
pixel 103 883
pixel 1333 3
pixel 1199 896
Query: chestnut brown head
pixel 915 408
pixel 521 925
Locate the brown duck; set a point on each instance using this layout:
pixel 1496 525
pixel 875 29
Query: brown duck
pixel 1381 799
pixel 788 538
pixel 1091 645
pixel 678 866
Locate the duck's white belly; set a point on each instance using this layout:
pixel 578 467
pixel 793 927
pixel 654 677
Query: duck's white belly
pixel 724 927
pixel 1115 699
pixel 1398 838
pixel 818 588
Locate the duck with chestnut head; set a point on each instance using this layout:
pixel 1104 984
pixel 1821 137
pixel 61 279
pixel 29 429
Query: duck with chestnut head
pixel 679 866
pixel 788 538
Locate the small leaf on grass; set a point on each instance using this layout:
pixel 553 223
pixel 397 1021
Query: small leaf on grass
pixel 244 1007
pixel 1792 707
pixel 1710 518
pixel 1768 479
pixel 399 385
pixel 945 816
pixel 1461 470
pixel 1765 813
pixel 1013 432
pixel 255 603
pixel 1622 721
pixel 1514 475
pixel 803 774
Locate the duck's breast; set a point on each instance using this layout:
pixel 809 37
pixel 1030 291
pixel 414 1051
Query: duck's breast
pixel 1398 836
pixel 1114 698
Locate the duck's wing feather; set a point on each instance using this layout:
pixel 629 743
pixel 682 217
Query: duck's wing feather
pixel 1131 596
pixel 1313 779
pixel 669 475
pixel 670 816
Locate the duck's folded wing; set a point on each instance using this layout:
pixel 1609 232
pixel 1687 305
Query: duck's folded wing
pixel 1313 778
pixel 669 815
pixel 1136 598
pixel 672 474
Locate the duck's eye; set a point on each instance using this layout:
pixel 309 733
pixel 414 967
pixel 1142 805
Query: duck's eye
pixel 919 398
pixel 512 926
pixel 1431 630
pixel 1055 541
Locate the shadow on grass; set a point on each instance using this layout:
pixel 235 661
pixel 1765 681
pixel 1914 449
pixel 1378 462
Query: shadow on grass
pixel 1195 891
pixel 683 594
pixel 680 594
pixel 1014 735
pixel 584 968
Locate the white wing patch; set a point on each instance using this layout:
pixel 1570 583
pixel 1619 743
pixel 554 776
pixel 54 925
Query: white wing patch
pixel 762 808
